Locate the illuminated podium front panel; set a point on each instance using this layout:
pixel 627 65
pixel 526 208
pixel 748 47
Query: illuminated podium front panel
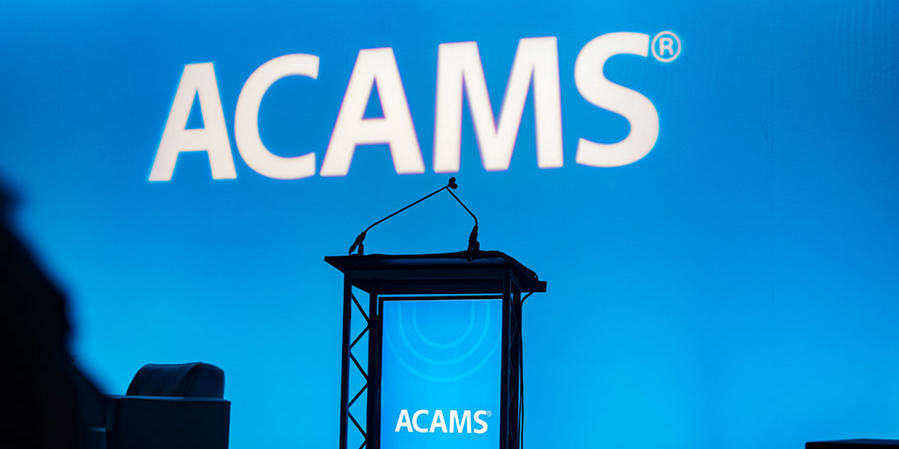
pixel 440 373
pixel 443 362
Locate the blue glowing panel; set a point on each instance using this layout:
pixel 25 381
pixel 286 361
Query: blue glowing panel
pixel 735 286
pixel 441 374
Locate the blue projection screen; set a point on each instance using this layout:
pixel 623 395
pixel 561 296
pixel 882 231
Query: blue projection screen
pixel 709 189
pixel 440 385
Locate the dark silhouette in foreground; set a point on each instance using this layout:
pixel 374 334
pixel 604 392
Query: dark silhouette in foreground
pixel 47 401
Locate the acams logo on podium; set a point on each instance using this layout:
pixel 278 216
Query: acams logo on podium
pixel 459 72
pixel 456 423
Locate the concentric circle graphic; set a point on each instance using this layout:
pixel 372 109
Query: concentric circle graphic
pixel 442 340
pixel 435 344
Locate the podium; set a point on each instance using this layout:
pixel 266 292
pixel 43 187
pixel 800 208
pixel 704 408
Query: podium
pixel 442 367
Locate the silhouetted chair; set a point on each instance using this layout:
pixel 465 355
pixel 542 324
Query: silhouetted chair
pixel 171 407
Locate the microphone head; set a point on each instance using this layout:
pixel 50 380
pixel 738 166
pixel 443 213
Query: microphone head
pixel 452 183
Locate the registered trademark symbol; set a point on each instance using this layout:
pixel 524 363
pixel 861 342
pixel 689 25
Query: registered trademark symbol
pixel 489 412
pixel 665 46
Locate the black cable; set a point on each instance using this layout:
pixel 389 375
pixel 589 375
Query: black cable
pixel 521 371
pixel 526 297
pixel 521 376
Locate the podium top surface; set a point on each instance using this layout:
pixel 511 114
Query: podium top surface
pixel 459 272
pixel 853 444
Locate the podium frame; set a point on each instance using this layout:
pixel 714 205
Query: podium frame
pixel 444 276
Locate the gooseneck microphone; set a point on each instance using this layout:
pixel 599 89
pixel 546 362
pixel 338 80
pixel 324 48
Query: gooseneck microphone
pixel 473 245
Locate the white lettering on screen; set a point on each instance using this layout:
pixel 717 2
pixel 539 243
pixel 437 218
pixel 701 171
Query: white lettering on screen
pixel 460 77
pixel 459 422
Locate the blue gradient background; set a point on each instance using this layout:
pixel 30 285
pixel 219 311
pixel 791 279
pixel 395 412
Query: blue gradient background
pixel 735 288
pixel 441 355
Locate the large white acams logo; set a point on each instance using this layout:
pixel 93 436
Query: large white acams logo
pixel 460 76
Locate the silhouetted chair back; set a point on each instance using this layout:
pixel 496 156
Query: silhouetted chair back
pixel 187 380
pixel 171 407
